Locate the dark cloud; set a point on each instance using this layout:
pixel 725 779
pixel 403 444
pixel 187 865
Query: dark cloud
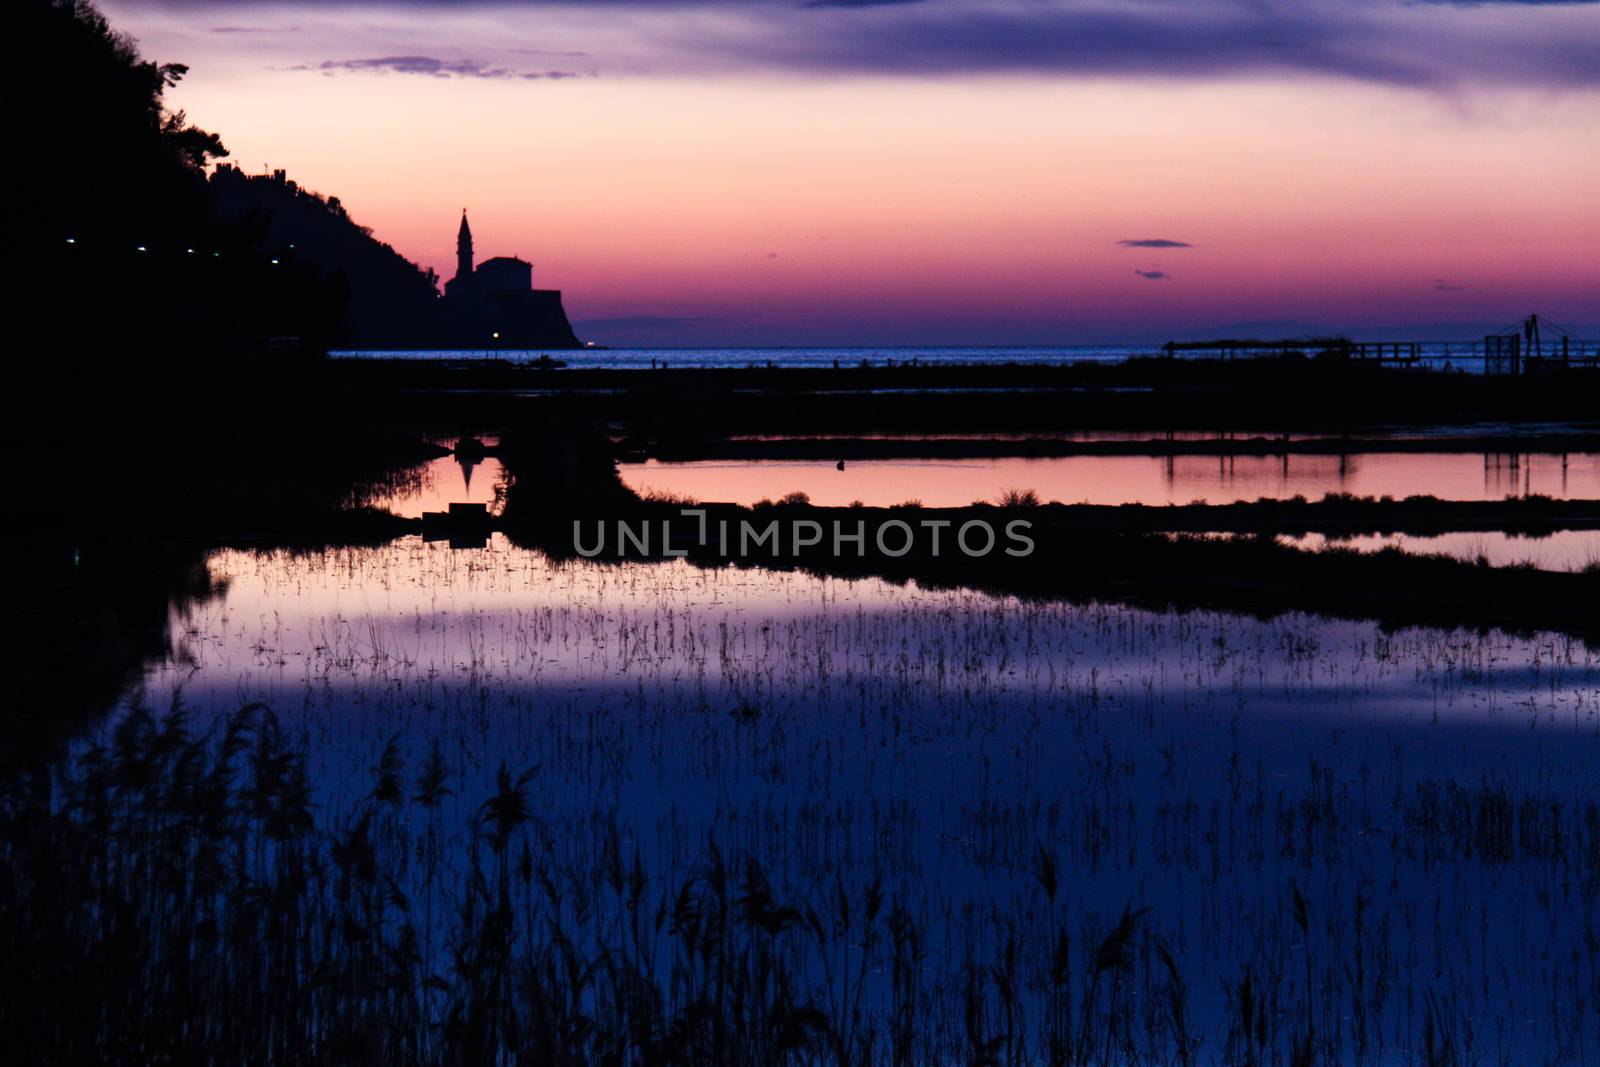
pixel 1153 275
pixel 1373 42
pixel 254 29
pixel 1153 242
pixel 1435 44
pixel 432 67
pixel 1445 285
pixel 1395 43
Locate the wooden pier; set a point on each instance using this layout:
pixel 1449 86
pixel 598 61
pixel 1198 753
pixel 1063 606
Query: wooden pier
pixel 1231 348
pixel 1405 352
pixel 1306 347
pixel 1529 346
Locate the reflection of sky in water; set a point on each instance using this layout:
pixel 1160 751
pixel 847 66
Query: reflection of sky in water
pixel 1563 550
pixel 442 482
pixel 411 611
pixel 936 736
pixel 1127 479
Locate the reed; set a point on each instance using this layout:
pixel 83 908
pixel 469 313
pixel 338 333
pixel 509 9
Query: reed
pixel 580 814
pixel 171 896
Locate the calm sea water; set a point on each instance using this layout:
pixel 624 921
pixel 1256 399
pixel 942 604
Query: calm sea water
pixel 1466 356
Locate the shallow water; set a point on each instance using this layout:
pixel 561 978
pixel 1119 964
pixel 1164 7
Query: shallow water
pixel 842 730
pixel 1564 550
pixel 1126 479
pixel 437 484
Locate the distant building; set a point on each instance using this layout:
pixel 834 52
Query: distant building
pixel 495 304
pixel 389 301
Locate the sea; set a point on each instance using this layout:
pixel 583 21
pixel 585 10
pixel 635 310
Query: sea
pixel 1459 355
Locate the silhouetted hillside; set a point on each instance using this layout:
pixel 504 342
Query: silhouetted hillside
pixel 124 264
pixel 391 299
pixel 100 157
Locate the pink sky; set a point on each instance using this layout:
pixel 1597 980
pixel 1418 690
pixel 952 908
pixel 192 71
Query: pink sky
pixel 684 195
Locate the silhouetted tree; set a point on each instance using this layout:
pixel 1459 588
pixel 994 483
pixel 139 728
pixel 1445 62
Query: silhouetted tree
pixel 121 256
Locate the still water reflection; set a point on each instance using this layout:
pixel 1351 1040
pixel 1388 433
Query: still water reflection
pixel 1127 479
pixel 1197 764
pixel 465 477
pixel 1563 550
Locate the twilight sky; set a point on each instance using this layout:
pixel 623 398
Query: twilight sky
pixel 940 171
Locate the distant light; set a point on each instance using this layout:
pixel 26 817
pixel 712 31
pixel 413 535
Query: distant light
pixel 496 335
pixel 72 240
pixel 140 248
pixel 216 253
pixel 189 250
pixel 274 263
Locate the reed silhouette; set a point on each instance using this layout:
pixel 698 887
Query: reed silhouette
pixel 179 896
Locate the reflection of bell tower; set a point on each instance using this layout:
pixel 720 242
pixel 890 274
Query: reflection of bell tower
pixel 468 462
pixel 463 249
pixel 469 453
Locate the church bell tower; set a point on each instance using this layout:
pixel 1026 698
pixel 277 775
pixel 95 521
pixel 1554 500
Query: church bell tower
pixel 463 249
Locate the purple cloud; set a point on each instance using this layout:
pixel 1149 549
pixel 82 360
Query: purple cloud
pixel 1153 242
pixel 1154 275
pixel 432 67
